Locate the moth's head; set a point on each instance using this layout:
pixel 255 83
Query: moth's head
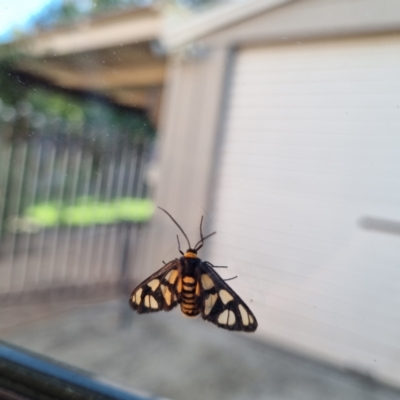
pixel 191 253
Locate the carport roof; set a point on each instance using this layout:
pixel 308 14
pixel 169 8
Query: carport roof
pixel 111 56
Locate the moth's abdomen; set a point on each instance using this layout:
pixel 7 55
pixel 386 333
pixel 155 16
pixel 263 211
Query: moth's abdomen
pixel 190 292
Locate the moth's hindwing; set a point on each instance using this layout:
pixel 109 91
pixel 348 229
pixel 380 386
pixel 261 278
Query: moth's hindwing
pixel 158 292
pixel 221 305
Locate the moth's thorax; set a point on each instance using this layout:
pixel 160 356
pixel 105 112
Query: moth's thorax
pixel 189 265
pixel 190 254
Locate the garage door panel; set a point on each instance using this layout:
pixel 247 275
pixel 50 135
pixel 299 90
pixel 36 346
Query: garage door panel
pixel 351 101
pixel 314 76
pixel 305 163
pixel 311 147
pixel 342 127
pixel 298 250
pixel 324 114
pixel 336 88
pixel 297 57
pixel 334 138
pixel 290 57
pixel 292 184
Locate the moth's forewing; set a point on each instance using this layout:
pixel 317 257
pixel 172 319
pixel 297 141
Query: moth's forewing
pixel 158 292
pixel 221 305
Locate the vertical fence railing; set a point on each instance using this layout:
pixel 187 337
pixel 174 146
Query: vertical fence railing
pixel 58 205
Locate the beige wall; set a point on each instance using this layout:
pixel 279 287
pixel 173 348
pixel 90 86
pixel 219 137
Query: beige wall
pixel 190 119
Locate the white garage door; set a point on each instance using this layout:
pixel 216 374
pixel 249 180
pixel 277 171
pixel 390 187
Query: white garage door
pixel 311 154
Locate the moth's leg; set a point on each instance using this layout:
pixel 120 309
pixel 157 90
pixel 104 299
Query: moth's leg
pixel 215 266
pixel 220 266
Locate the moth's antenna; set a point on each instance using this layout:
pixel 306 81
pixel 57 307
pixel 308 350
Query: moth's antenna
pixel 179 245
pixel 201 230
pixel 184 234
pixel 202 240
pixel 201 236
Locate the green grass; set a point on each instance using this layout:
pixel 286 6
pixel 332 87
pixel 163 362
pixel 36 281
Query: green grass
pixel 87 211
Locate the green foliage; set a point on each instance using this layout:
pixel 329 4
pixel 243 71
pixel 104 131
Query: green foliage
pixel 77 115
pixel 88 211
pixel 57 14
pixel 45 215
pixel 70 11
pixel 11 89
pixel 57 105
pixel 105 5
pixel 196 4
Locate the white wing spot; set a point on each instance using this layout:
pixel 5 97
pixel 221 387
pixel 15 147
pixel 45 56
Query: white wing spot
pixel 223 317
pixel 231 318
pixel 154 284
pixel 147 301
pixel 244 315
pixel 251 319
pixel 171 276
pixel 206 282
pixel 225 296
pixel 209 303
pixel 168 296
pixel 153 302
pixel 138 296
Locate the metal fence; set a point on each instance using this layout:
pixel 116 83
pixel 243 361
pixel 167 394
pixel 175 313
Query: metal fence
pixel 58 223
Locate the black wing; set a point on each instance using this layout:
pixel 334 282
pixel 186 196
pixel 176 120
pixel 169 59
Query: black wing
pixel 158 292
pixel 221 305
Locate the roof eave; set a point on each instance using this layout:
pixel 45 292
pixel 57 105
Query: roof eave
pixel 214 20
pixel 136 26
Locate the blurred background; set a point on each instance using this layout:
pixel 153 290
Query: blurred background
pixel 278 120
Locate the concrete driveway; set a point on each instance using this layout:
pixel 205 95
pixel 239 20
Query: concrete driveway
pixel 183 359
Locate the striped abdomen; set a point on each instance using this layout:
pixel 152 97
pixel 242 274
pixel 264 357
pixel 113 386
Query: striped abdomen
pixel 188 303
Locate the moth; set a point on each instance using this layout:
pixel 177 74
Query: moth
pixel 196 287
